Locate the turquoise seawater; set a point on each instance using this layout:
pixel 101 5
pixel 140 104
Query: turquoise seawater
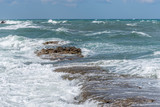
pixel 120 46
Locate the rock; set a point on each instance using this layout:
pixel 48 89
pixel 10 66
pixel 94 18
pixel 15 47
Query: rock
pixel 128 102
pixel 100 85
pixel 59 52
pixel 2 22
pixel 51 42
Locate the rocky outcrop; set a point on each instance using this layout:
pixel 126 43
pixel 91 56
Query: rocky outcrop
pixel 60 50
pixel 2 22
pixel 60 53
pixel 107 89
pixel 99 85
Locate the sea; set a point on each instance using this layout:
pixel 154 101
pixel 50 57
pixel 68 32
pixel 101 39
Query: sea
pixel 120 46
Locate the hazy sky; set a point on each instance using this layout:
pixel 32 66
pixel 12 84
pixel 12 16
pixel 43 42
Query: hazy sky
pixel 79 9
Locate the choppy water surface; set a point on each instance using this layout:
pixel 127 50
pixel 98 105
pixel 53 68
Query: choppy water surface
pixel 129 47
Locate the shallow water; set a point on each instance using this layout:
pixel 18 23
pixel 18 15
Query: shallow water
pixel 121 46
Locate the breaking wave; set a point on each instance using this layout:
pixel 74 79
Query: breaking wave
pixel 97 33
pixel 56 22
pixel 140 67
pixel 99 22
pixel 14 25
pixel 141 34
pixel 131 24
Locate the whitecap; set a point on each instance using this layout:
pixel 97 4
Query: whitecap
pixel 99 22
pixel 61 29
pixel 156 53
pixel 141 33
pixel 141 67
pixel 97 33
pixel 13 22
pixel 18 25
pixel 56 22
pixel 25 81
pixel 86 52
pixel 131 24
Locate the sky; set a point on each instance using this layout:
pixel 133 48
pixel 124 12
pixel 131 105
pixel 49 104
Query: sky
pixel 79 9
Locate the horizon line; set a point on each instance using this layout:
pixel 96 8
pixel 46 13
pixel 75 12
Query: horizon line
pixel 83 19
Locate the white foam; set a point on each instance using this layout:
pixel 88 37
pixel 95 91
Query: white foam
pixel 140 67
pixel 141 34
pixel 131 24
pixel 86 52
pixel 62 29
pixel 97 33
pixel 18 24
pixel 156 53
pixel 13 22
pixel 25 81
pixel 56 22
pixel 99 22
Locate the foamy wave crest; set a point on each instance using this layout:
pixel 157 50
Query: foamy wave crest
pixel 56 22
pixel 156 53
pixel 25 76
pixel 97 33
pixel 131 24
pixel 141 34
pixel 87 52
pixel 15 42
pixel 62 29
pixel 13 22
pixel 19 24
pixel 141 67
pixel 99 22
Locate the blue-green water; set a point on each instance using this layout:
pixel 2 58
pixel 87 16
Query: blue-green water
pixel 120 46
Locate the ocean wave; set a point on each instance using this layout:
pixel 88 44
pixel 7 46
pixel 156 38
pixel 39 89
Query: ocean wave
pixel 97 33
pixel 62 29
pixel 22 70
pixel 18 42
pixel 86 52
pixel 140 67
pixel 19 24
pixel 99 22
pixel 56 22
pixel 131 24
pixel 141 34
pixel 21 43
pixel 156 53
pixel 13 22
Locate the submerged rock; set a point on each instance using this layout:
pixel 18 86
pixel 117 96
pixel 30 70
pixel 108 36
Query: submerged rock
pixel 51 42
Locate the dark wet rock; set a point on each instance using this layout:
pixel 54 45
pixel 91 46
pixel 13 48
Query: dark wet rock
pixel 61 53
pixel 51 42
pixel 79 69
pixel 128 102
pixel 2 22
pixel 104 87
pixel 60 50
